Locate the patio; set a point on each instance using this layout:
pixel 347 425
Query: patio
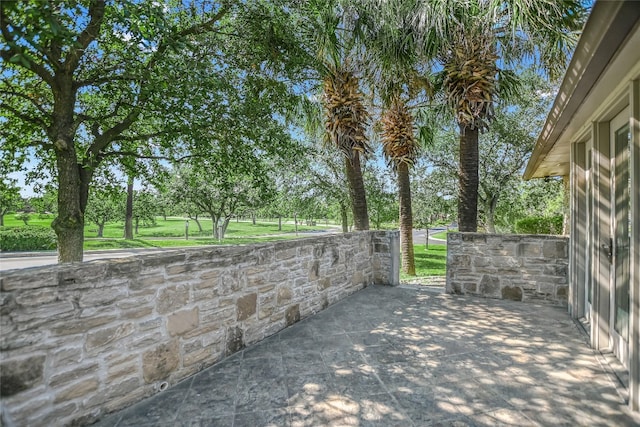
pixel 403 356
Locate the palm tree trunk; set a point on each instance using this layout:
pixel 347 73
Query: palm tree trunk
pixel 468 179
pixel 406 220
pixel 356 189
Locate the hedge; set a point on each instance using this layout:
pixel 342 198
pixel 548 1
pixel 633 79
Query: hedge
pixel 27 239
pixel 540 225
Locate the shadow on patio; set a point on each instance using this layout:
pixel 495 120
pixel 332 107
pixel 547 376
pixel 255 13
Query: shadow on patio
pixel 402 356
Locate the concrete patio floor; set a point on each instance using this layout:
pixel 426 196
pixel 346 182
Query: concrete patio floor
pixel 402 357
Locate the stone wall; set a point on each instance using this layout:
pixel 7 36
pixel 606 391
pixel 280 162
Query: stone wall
pixel 82 340
pixel 508 266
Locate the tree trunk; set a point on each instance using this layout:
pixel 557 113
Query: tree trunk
pixel 195 218
pixel 280 223
pixel 491 214
pixel 356 190
pixel 344 217
pixel 2 220
pixel 406 220
pixel 468 179
pixel 100 230
pixel 253 218
pixel 225 224
pixel 128 217
pixel 137 223
pixel 72 196
pixel 214 225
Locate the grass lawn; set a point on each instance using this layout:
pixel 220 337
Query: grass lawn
pixel 441 235
pixel 431 262
pixel 170 233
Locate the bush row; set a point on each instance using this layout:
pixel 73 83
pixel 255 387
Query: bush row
pixel 27 239
pixel 540 225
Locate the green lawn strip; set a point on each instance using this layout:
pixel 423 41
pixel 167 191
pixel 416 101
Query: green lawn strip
pixel 431 262
pixel 175 227
pixel 97 244
pixel 441 235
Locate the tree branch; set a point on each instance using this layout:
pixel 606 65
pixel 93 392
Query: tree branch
pixel 146 157
pixel 39 107
pixel 89 34
pixel 15 49
pixel 26 118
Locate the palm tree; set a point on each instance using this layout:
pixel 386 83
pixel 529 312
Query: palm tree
pixel 330 35
pixel 400 148
pixel 345 121
pixel 472 40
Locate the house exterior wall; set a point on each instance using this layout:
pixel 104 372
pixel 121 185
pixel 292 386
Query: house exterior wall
pixel 81 340
pixel 592 272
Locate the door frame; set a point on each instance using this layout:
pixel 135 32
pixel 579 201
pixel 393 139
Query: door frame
pixel 618 343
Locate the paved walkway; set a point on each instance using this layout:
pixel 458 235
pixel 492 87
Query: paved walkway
pixel 402 357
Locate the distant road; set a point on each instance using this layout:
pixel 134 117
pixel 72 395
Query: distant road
pixel 420 235
pixel 37 259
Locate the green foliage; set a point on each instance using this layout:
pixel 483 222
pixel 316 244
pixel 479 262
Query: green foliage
pixel 24 217
pixel 27 239
pixel 382 198
pixel 9 197
pixel 540 225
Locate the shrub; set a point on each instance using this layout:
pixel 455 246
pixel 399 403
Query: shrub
pixel 27 239
pixel 540 225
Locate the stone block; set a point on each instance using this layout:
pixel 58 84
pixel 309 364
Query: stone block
pixel 178 269
pixel 182 321
pixel 161 260
pixel 103 337
pixel 530 249
pixel 66 356
pixel 460 261
pixel 79 389
pixel 246 306
pixel 284 295
pixel 123 267
pixel 79 326
pixel 192 358
pixel 292 315
pixel 172 299
pixel 20 375
pixel 470 287
pixel 513 293
pixel 159 363
pixel 31 298
pixel 283 254
pixel 55 416
pixel 102 296
pixel 122 367
pixel 489 285
pixel 555 249
pixel 562 292
pixel 235 341
pixel 73 375
pixel 257 280
pixel 147 282
pixel 324 283
pixel 16 280
pixel 314 271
